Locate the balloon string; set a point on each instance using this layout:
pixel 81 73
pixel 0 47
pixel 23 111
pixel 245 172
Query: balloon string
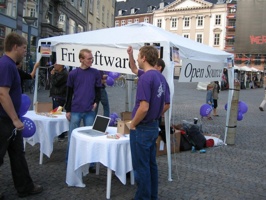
pixel 14 133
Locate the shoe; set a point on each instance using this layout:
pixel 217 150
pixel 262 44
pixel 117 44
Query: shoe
pixel 216 115
pixel 92 170
pixel 36 190
pixel 2 197
pixel 209 118
pixel 261 109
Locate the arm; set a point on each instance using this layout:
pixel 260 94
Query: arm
pixel 132 63
pixel 140 114
pixel 8 106
pixel 165 108
pixel 37 64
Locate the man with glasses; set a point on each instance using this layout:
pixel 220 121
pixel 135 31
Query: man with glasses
pixel 83 93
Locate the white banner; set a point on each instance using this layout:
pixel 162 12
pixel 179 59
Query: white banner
pixel 105 58
pixel 200 71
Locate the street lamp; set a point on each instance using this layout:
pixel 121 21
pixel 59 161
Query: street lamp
pixel 29 20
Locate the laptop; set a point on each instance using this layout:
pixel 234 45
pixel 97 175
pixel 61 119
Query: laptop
pixel 99 126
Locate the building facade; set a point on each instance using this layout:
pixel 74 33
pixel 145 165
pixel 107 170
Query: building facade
pixel 136 11
pixel 201 21
pixel 53 18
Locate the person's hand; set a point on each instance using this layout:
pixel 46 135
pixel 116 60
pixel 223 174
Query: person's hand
pixel 18 124
pixel 130 50
pixel 53 71
pixel 132 127
pixel 68 116
pixel 94 106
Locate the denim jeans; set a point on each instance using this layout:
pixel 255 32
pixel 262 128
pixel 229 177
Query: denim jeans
pixel 75 122
pixel 104 101
pixel 143 152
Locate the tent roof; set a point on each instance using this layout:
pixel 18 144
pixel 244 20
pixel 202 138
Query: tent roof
pixel 136 35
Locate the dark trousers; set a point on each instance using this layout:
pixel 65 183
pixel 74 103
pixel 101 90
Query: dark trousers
pixel 13 144
pixel 56 103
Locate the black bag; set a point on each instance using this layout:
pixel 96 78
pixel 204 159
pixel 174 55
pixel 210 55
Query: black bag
pixel 192 137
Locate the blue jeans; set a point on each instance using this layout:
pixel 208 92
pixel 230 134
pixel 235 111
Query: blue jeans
pixel 143 152
pixel 75 120
pixel 104 101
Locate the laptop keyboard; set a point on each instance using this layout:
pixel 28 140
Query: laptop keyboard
pixel 91 133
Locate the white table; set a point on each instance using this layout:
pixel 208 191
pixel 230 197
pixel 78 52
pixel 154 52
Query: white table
pixel 115 154
pixel 47 128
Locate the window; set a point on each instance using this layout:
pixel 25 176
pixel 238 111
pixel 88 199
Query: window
pixel 91 6
pixel 146 19
pixel 129 21
pixel 174 23
pixel 186 35
pixel 216 39
pixel 103 8
pixel 199 38
pixel 116 23
pixel 200 21
pixel 186 22
pixel 81 6
pixel 218 20
pixel 98 9
pixel 123 22
pixel 50 14
pixel 136 20
pixel 90 26
pixel 159 23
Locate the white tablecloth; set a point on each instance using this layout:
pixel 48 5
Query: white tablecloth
pixel 47 128
pixel 115 154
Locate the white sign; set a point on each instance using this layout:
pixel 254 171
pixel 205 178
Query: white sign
pixel 200 71
pixel 105 58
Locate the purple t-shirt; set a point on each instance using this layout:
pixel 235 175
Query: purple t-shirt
pixel 10 78
pixel 83 82
pixel 167 92
pixel 153 88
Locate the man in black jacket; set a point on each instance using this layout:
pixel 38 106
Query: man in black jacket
pixel 58 89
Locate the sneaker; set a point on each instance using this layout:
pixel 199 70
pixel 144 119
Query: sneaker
pixel 36 190
pixel 261 109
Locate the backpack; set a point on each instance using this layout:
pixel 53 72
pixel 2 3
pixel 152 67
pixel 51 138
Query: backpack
pixel 192 136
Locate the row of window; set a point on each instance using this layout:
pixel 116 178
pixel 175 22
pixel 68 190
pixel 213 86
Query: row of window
pixel 187 21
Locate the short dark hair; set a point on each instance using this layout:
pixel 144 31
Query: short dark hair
pixel 150 53
pixel 161 63
pixel 13 39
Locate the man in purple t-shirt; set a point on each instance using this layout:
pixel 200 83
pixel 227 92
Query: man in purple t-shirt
pixel 160 65
pixel 10 100
pixel 150 100
pixel 83 93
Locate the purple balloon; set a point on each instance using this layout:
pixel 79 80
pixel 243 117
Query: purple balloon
pixel 205 110
pixel 29 127
pixel 239 116
pixel 112 122
pixel 114 75
pixel 25 104
pixel 225 106
pixel 114 115
pixel 110 81
pixel 242 107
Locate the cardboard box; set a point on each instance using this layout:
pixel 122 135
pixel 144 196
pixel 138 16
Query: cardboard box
pixel 123 126
pixel 126 116
pixel 43 107
pixel 175 144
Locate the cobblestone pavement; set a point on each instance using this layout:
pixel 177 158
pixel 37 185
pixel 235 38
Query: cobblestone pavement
pixel 227 172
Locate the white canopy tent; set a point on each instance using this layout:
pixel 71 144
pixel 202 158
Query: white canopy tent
pixel 199 62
